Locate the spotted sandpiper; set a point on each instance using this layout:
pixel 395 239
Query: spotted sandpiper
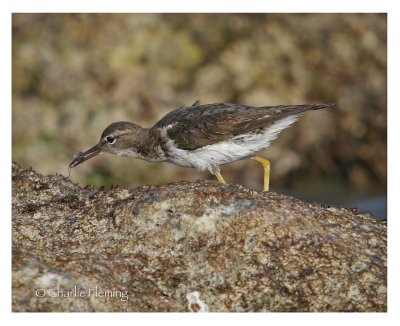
pixel 201 136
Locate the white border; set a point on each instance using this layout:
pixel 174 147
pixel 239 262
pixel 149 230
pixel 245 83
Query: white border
pixel 224 6
pixel 392 7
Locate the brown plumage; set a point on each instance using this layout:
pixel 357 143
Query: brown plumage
pixel 195 127
pixel 201 136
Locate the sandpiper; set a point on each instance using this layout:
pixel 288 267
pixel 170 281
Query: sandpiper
pixel 201 136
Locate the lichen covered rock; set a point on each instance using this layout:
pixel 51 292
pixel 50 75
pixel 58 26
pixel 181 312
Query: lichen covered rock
pixel 185 246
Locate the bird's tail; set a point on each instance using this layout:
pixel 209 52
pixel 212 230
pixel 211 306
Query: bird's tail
pixel 318 106
pixel 284 110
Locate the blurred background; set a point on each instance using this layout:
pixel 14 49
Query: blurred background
pixel 73 74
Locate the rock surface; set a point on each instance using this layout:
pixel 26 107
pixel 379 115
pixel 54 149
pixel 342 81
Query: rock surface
pixel 189 247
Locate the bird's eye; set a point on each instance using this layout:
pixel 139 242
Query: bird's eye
pixel 110 139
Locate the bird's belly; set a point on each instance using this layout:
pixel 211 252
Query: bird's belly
pixel 213 155
pixel 237 148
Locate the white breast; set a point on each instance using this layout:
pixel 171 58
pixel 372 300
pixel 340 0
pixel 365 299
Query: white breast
pixel 237 148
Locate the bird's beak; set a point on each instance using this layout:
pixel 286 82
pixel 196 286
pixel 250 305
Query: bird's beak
pixel 82 157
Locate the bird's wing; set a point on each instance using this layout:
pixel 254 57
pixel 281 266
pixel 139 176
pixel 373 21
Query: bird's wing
pixel 197 126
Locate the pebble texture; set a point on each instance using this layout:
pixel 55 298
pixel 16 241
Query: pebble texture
pixel 189 246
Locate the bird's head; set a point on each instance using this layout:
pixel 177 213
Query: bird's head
pixel 119 138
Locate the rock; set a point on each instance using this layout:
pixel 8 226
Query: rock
pixel 189 246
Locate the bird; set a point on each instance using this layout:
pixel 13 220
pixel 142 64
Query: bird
pixel 201 136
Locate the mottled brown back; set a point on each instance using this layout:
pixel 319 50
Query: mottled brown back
pixel 198 126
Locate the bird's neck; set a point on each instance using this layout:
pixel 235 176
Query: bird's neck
pixel 148 147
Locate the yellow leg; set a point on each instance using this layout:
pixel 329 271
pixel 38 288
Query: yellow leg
pixel 266 165
pixel 219 177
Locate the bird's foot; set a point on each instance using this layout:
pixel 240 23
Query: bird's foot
pixel 267 168
pixel 219 177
